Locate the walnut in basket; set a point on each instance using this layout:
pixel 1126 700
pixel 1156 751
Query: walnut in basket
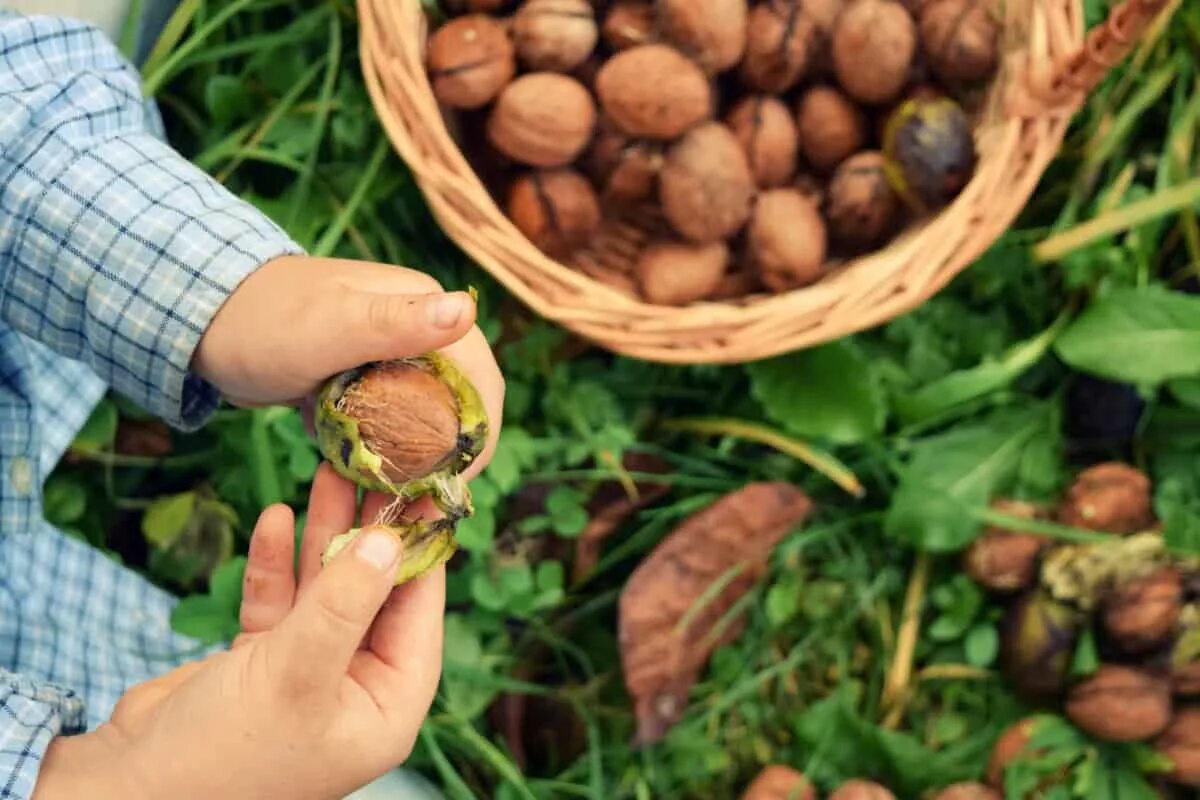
pixel 862 208
pixel 678 273
pixel 874 45
pixel 713 32
pixel 556 35
pixel 767 133
pixel 831 127
pixel 705 185
pixel 628 23
pixel 555 209
pixel 470 59
pixel 787 239
pixel 779 42
pixel 653 91
pixel 960 39
pixel 542 119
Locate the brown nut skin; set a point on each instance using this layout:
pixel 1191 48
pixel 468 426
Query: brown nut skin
pixel 554 35
pixel 1142 614
pixel 1120 704
pixel 859 789
pixel 676 273
pixel 777 782
pixel 1110 497
pixel 766 132
pixel 786 239
pixel 831 126
pixel 960 39
pixel 968 791
pixel 713 32
pixel 469 60
pixel 779 42
pixel 705 186
pixel 1180 742
pixel 654 92
pixel 628 23
pixel 861 207
pixel 874 44
pixel 542 119
pixel 555 209
pixel 1002 560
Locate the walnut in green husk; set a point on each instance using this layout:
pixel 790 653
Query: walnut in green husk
pixel 1038 638
pixel 1083 574
pixel 930 152
pixel 408 428
pixel 1119 703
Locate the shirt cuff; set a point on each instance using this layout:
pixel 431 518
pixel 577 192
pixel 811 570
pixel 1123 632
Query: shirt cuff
pixel 31 715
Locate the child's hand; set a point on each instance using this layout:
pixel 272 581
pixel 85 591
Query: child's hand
pixel 299 320
pixel 317 697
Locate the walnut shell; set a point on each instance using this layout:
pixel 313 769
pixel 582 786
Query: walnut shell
pixel 1120 704
pixel 705 185
pixel 1143 613
pixel 711 31
pixel 554 35
pixel 861 790
pixel 542 119
pixel 861 206
pixel 968 791
pixel 469 60
pixel 677 273
pixel 736 284
pixel 960 39
pixel 831 127
pixel 786 238
pixel 874 44
pixel 779 38
pixel 1180 742
pixel 1110 497
pixel 555 209
pixel 653 91
pixel 777 782
pixel 628 23
pixel 766 132
pixel 1001 560
pixel 625 169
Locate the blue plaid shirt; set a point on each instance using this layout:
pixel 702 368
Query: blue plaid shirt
pixel 115 253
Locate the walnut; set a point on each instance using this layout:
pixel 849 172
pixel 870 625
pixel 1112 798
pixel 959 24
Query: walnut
pixel 711 31
pixel 960 39
pixel 766 132
pixel 1180 742
pixel 786 238
pixel 625 169
pixel 861 207
pixel 628 24
pixel 777 782
pixel 1010 746
pixel 469 60
pixel 542 119
pixel 859 789
pixel 779 39
pixel 705 185
pixel 678 273
pixel 736 284
pixel 874 44
pixel 1120 704
pixel 1002 560
pixel 653 91
pixel 1143 613
pixel 554 35
pixel 1110 497
pixel 968 791
pixel 831 127
pixel 555 209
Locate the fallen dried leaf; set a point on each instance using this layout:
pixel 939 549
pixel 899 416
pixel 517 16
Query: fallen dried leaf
pixel 612 505
pixel 670 609
pixel 148 438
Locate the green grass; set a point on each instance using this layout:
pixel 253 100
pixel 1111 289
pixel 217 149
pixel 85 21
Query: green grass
pixel 961 400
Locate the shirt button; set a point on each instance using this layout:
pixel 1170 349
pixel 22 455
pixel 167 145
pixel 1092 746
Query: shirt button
pixel 22 476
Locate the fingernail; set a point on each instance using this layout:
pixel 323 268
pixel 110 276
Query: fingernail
pixel 445 311
pixel 378 548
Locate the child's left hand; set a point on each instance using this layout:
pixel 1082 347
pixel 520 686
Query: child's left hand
pixel 299 320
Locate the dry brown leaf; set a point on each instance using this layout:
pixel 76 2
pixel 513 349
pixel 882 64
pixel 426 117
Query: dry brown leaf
pixel 668 623
pixel 612 505
pixel 777 782
pixel 148 438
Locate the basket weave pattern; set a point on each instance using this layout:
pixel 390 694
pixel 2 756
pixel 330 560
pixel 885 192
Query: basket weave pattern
pixel 1048 67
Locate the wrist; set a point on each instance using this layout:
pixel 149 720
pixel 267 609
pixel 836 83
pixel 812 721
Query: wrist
pixel 93 765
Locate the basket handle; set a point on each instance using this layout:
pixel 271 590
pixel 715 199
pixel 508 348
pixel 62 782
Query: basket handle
pixel 1104 47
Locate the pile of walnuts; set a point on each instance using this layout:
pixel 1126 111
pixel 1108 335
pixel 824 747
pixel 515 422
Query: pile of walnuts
pixel 770 137
pixel 780 782
pixel 1137 601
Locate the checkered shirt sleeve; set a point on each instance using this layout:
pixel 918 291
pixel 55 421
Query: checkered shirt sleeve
pixel 115 254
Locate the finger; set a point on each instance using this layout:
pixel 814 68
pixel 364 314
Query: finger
pixel 269 582
pixel 474 357
pixel 377 326
pixel 313 646
pixel 407 635
pixel 331 507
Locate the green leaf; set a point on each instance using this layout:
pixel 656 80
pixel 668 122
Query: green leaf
pixel 952 475
pixel 64 500
pixel 205 618
pixel 1141 336
pixel 226 98
pixel 477 533
pixel 827 392
pixel 981 645
pixel 226 584
pixel 514 453
pixel 487 593
pixel 783 600
pixel 947 628
pixel 167 518
pixel 567 513
pixel 100 429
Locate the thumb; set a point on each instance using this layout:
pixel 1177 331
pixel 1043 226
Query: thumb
pixel 378 326
pixel 314 644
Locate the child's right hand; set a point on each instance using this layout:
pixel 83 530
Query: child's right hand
pixel 324 691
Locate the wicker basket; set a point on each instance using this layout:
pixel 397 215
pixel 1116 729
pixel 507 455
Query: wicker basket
pixel 1049 66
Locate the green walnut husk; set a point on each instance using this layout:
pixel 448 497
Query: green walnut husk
pixel 929 152
pixel 1038 639
pixel 427 543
